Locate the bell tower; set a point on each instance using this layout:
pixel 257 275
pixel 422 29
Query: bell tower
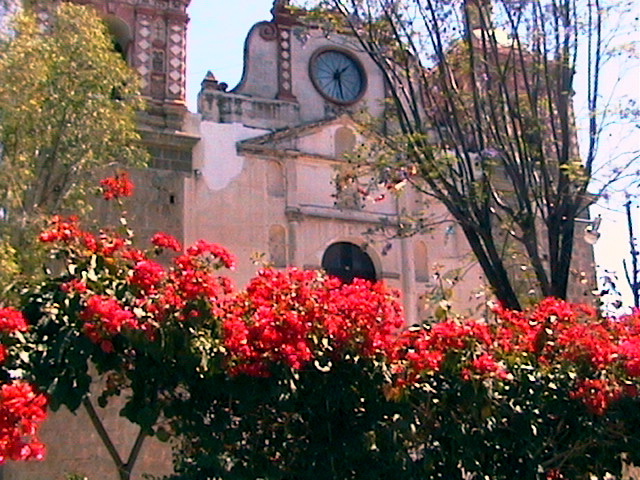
pixel 151 35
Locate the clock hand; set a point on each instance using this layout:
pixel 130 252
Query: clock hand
pixel 340 88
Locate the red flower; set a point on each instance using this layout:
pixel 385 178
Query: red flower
pixel 74 286
pixel 107 245
pixel 62 230
pixel 12 320
pixel 630 351
pixel 134 254
pixel 104 318
pixel 147 275
pixel 555 474
pixel 164 240
pixel 295 316
pixel 597 394
pixel 219 253
pixel 486 366
pixel 118 186
pixel 22 410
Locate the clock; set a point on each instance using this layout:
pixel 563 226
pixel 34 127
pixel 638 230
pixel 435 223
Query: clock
pixel 338 76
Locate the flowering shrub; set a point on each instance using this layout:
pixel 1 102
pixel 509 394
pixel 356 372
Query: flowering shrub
pixel 22 407
pixel 296 317
pixel 301 376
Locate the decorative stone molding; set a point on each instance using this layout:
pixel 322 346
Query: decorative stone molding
pixel 216 105
pixel 285 82
pixel 269 32
pixel 176 60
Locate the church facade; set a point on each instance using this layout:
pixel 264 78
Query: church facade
pixel 254 170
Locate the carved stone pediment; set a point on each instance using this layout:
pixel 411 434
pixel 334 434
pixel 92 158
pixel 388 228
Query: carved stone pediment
pixel 331 139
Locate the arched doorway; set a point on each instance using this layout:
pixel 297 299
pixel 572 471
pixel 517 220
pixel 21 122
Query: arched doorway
pixel 348 261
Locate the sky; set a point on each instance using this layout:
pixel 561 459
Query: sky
pixel 218 28
pixel 216 35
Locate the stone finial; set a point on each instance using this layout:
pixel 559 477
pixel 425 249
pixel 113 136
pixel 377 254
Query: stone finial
pixel 279 6
pixel 211 83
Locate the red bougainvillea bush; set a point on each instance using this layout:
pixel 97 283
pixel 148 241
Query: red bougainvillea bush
pixel 301 376
pixel 22 407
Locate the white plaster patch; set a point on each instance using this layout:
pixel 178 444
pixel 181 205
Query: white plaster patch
pixel 220 160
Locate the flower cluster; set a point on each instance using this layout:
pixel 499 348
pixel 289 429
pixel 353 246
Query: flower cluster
pixel 600 351
pixel 295 316
pixel 219 255
pixel 147 275
pixel 362 316
pixel 22 410
pixel 104 317
pixel 12 320
pixel 190 289
pixel 465 346
pixel 603 355
pixel 597 394
pixel 61 230
pixel 118 186
pixel 164 240
pixel 193 289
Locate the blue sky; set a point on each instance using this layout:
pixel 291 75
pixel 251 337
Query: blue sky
pixel 216 39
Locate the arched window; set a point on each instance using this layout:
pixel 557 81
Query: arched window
pixel 277 246
pixel 345 141
pixel 275 180
pixel 157 61
pixel 348 261
pixel 120 34
pixel 421 261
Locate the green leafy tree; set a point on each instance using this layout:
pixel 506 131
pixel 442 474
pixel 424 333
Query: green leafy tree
pixel 67 105
pixel 482 96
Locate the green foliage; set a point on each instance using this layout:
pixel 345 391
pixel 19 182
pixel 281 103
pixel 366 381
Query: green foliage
pixel 332 422
pixel 67 104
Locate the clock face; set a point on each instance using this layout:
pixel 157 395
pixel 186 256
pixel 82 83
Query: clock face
pixel 337 76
